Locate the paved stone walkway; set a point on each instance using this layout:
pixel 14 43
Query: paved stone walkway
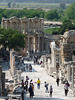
pixel 58 92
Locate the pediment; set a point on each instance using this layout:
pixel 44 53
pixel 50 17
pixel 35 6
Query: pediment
pixel 14 19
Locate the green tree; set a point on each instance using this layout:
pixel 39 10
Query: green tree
pixel 52 14
pixel 66 25
pixel 11 39
pixel 70 12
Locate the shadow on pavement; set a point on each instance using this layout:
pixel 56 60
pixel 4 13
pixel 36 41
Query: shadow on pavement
pixel 5 66
pixel 33 70
pixel 34 98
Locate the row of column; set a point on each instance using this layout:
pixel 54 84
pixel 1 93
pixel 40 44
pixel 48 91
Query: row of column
pixel 35 44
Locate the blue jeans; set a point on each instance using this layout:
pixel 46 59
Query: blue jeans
pixel 38 85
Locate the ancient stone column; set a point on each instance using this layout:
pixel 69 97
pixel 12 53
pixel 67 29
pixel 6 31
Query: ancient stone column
pixel 34 44
pixel 69 72
pixel 28 44
pixel 42 44
pixel 12 62
pixel 38 44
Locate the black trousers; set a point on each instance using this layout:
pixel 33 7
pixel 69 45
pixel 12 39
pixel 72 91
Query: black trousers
pixel 66 92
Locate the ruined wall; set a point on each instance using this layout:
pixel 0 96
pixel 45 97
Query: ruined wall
pixel 68 46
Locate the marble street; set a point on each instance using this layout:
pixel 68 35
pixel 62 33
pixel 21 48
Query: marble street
pixel 39 94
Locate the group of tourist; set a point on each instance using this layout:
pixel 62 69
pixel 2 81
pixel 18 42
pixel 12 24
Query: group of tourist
pixel 48 90
pixel 46 86
pixel 66 87
pixel 27 89
pixel 30 89
pixel 27 68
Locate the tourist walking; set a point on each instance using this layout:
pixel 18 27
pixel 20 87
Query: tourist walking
pixel 30 68
pixel 51 90
pixel 31 81
pixel 26 85
pixel 41 63
pixel 22 84
pixel 24 68
pixel 27 67
pixel 31 91
pixel 46 86
pixel 68 83
pixel 57 80
pixel 32 88
pixel 38 83
pixel 27 78
pixel 66 89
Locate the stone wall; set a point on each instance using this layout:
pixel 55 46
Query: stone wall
pixel 68 46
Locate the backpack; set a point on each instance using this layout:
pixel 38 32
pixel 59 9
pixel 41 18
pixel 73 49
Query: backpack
pixel 66 87
pixel 68 84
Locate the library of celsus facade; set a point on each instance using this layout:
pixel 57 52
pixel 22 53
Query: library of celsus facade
pixel 32 27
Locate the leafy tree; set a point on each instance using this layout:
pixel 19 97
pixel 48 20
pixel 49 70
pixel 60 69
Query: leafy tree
pixel 11 39
pixel 70 12
pixel 52 14
pixel 67 25
pixel 53 31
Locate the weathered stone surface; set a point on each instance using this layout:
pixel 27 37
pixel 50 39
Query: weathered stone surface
pixel 69 36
